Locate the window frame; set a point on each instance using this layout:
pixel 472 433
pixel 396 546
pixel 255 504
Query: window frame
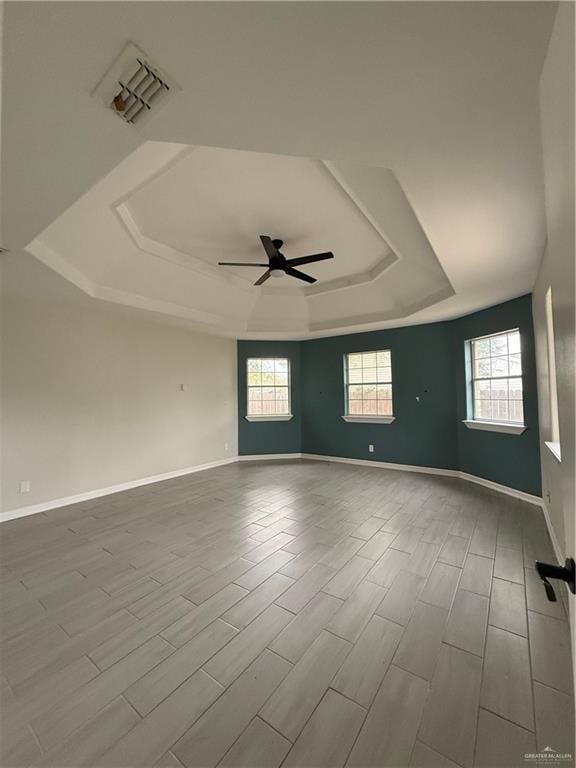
pixel 553 444
pixel 269 416
pixel 366 418
pixel 473 421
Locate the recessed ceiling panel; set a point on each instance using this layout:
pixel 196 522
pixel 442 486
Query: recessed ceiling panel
pixel 214 204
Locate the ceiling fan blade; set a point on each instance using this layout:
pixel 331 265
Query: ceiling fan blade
pixel 240 264
pixel 310 259
pixel 300 275
pixel 263 279
pixel 269 246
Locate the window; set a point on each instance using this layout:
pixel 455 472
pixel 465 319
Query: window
pixel 268 388
pixel 496 378
pixel 368 382
pixel 554 442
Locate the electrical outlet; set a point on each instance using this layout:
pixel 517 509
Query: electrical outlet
pixel 25 486
pixel 371 448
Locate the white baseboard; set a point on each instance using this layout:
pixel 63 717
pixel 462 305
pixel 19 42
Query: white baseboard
pixel 45 506
pixel 67 500
pixel 270 456
pixel 522 495
pixel 383 465
pixel 528 497
pixel 433 471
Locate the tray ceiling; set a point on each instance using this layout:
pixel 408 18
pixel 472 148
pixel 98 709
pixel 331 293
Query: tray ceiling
pixel 151 234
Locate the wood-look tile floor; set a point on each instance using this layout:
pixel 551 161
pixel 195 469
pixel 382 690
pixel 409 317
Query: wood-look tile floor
pixel 303 614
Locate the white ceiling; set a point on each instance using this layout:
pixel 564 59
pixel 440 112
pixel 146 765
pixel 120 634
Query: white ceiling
pixel 428 108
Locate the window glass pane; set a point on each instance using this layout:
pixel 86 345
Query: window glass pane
pixel 355 392
pixel 280 365
pixel 484 409
pixel 254 379
pixel 499 345
pixel 500 410
pixel 369 360
pixel 515 389
pixel 254 366
pixel 515 365
pixel 354 361
pixel 482 389
pixel 482 368
pixel 385 407
pixel 370 408
pixel 384 391
pixel 281 379
pixel 369 375
pixel 255 408
pixel 255 393
pixel 383 358
pixel 499 366
pixel 516 411
pixel 282 401
pixel 384 374
pixel 355 376
pixel 355 407
pixel 369 392
pixel 481 348
pixel 514 342
pixel 499 389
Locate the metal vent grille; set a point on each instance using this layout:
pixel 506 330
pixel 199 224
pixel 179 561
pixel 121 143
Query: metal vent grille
pixel 134 88
pixel 139 93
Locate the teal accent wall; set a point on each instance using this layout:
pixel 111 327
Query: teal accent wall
pixel 422 366
pixel 270 436
pixel 428 362
pixel 512 460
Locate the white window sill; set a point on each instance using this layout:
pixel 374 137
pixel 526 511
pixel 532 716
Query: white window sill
pixel 496 426
pixel 554 448
pixel 271 417
pixel 369 419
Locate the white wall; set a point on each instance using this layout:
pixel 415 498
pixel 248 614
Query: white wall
pixel 557 270
pixel 91 391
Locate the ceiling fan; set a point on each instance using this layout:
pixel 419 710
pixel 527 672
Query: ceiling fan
pixel 278 265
